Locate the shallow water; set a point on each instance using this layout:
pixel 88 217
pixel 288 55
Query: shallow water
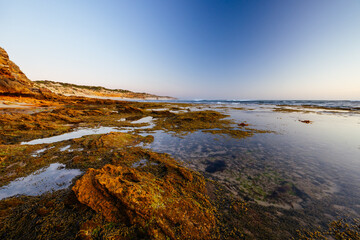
pixel 336 104
pixel 143 120
pixel 36 153
pixel 321 160
pixel 52 178
pixel 67 147
pixel 71 135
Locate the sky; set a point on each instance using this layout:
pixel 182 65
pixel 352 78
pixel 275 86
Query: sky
pixel 190 49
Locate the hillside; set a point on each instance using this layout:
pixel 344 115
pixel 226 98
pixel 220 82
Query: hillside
pixel 68 89
pixel 12 79
pixel 14 82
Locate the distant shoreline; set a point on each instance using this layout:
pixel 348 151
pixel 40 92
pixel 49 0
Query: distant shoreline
pixel 121 98
pixel 69 89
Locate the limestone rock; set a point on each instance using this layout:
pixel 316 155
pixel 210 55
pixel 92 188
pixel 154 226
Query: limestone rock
pixel 12 79
pixel 169 205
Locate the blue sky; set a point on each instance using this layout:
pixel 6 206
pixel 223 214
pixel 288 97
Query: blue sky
pixel 207 49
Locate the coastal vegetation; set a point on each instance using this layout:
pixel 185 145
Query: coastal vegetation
pixel 92 91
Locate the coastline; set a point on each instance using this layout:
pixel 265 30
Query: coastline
pixel 227 159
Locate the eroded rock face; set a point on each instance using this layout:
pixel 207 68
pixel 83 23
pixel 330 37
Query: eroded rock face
pixel 12 79
pixel 167 202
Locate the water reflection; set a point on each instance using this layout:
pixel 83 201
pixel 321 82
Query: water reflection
pixel 143 120
pixel 52 178
pixel 299 167
pixel 71 135
pixel 139 163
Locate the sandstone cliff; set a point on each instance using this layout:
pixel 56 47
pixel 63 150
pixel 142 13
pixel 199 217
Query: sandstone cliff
pixel 12 79
pixel 14 82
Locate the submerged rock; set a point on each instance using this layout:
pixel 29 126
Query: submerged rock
pixel 243 124
pixel 305 121
pixel 168 203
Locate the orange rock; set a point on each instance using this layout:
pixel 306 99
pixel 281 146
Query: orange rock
pixel 169 205
pixel 42 211
pixel 243 124
pixel 305 121
pixel 12 79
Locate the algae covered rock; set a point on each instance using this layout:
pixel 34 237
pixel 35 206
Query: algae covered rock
pixel 119 140
pixel 168 203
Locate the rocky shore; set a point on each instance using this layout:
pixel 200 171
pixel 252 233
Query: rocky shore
pixel 124 192
pixel 81 168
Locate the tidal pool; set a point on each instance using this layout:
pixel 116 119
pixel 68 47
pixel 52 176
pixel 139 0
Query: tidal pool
pixel 143 120
pixel 71 135
pixel 308 172
pixel 139 163
pixel 51 178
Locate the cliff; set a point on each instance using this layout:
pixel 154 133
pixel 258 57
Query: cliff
pixel 94 91
pixel 14 82
pixel 12 79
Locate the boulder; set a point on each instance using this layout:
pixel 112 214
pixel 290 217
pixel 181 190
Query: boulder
pixel 166 203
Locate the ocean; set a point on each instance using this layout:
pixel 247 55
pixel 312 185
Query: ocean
pixel 331 104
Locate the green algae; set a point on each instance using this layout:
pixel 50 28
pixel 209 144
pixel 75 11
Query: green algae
pixel 184 123
pixel 65 217
pixel 207 121
pixel 234 133
pixel 339 229
pixel 58 215
pixel 89 151
pixel 289 110
pixel 61 216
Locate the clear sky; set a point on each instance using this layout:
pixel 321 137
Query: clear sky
pixel 283 49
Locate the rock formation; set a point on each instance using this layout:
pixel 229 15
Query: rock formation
pixel 14 82
pixel 163 199
pixel 12 79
